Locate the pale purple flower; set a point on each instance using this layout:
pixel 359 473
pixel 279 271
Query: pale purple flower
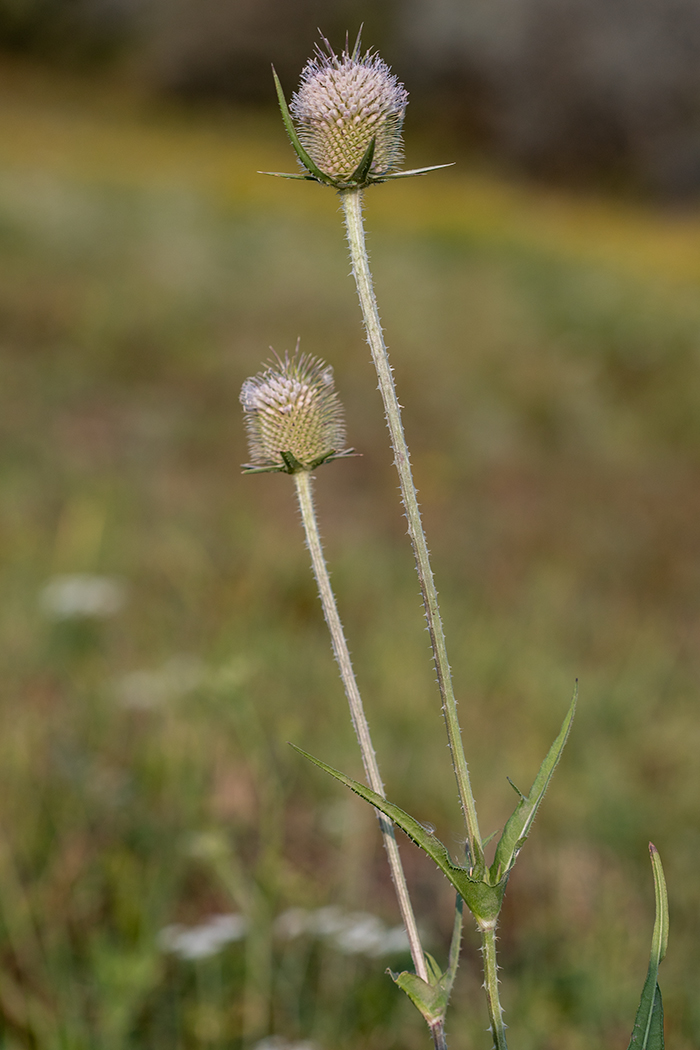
pixel 343 102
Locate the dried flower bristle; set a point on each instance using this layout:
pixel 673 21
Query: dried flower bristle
pixel 293 415
pixel 345 101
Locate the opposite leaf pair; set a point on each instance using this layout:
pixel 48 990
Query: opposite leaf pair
pixel 480 888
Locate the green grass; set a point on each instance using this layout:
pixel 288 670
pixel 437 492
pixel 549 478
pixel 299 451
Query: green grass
pixel 546 350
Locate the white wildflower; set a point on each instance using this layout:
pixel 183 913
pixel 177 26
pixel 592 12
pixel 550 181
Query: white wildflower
pixel 205 940
pixel 352 933
pixel 146 690
pixel 82 596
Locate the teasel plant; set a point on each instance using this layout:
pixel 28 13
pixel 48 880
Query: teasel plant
pixel 295 423
pixel 345 124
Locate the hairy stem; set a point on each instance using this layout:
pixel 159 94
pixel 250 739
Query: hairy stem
pixel 437 1031
pixel 498 1028
pixel 357 713
pixel 352 208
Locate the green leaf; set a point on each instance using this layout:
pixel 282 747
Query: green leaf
pixel 482 899
pixel 294 138
pixel 455 944
pixel 429 998
pixel 518 826
pixel 648 1031
pixel 427 840
pixel 432 997
pixel 659 941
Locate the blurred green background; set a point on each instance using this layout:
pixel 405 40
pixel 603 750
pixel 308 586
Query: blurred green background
pixel 160 634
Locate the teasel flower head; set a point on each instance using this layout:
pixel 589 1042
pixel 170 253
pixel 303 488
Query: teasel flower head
pixel 346 118
pixel 293 416
pixel 343 103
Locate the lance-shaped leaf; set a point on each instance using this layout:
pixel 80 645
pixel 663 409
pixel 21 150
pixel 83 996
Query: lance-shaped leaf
pixel 294 138
pixel 432 996
pixel 482 899
pixel 518 826
pixel 648 1031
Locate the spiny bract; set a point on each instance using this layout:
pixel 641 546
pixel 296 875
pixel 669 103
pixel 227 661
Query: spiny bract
pixel 293 415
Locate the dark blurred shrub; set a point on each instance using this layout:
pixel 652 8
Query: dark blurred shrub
pixel 572 88
pixel 215 47
pixel 67 31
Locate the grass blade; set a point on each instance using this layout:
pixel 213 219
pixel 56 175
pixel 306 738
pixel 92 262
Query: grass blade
pixel 648 1031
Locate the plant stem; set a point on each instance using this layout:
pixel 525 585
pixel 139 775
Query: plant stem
pixel 357 713
pixel 498 1028
pixel 352 209
pixel 437 1031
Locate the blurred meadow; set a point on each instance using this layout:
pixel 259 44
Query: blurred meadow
pixel 166 861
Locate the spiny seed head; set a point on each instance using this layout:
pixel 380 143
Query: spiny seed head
pixel 293 415
pixel 345 101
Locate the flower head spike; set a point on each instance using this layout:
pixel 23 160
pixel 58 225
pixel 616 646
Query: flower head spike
pixel 293 416
pixel 346 119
